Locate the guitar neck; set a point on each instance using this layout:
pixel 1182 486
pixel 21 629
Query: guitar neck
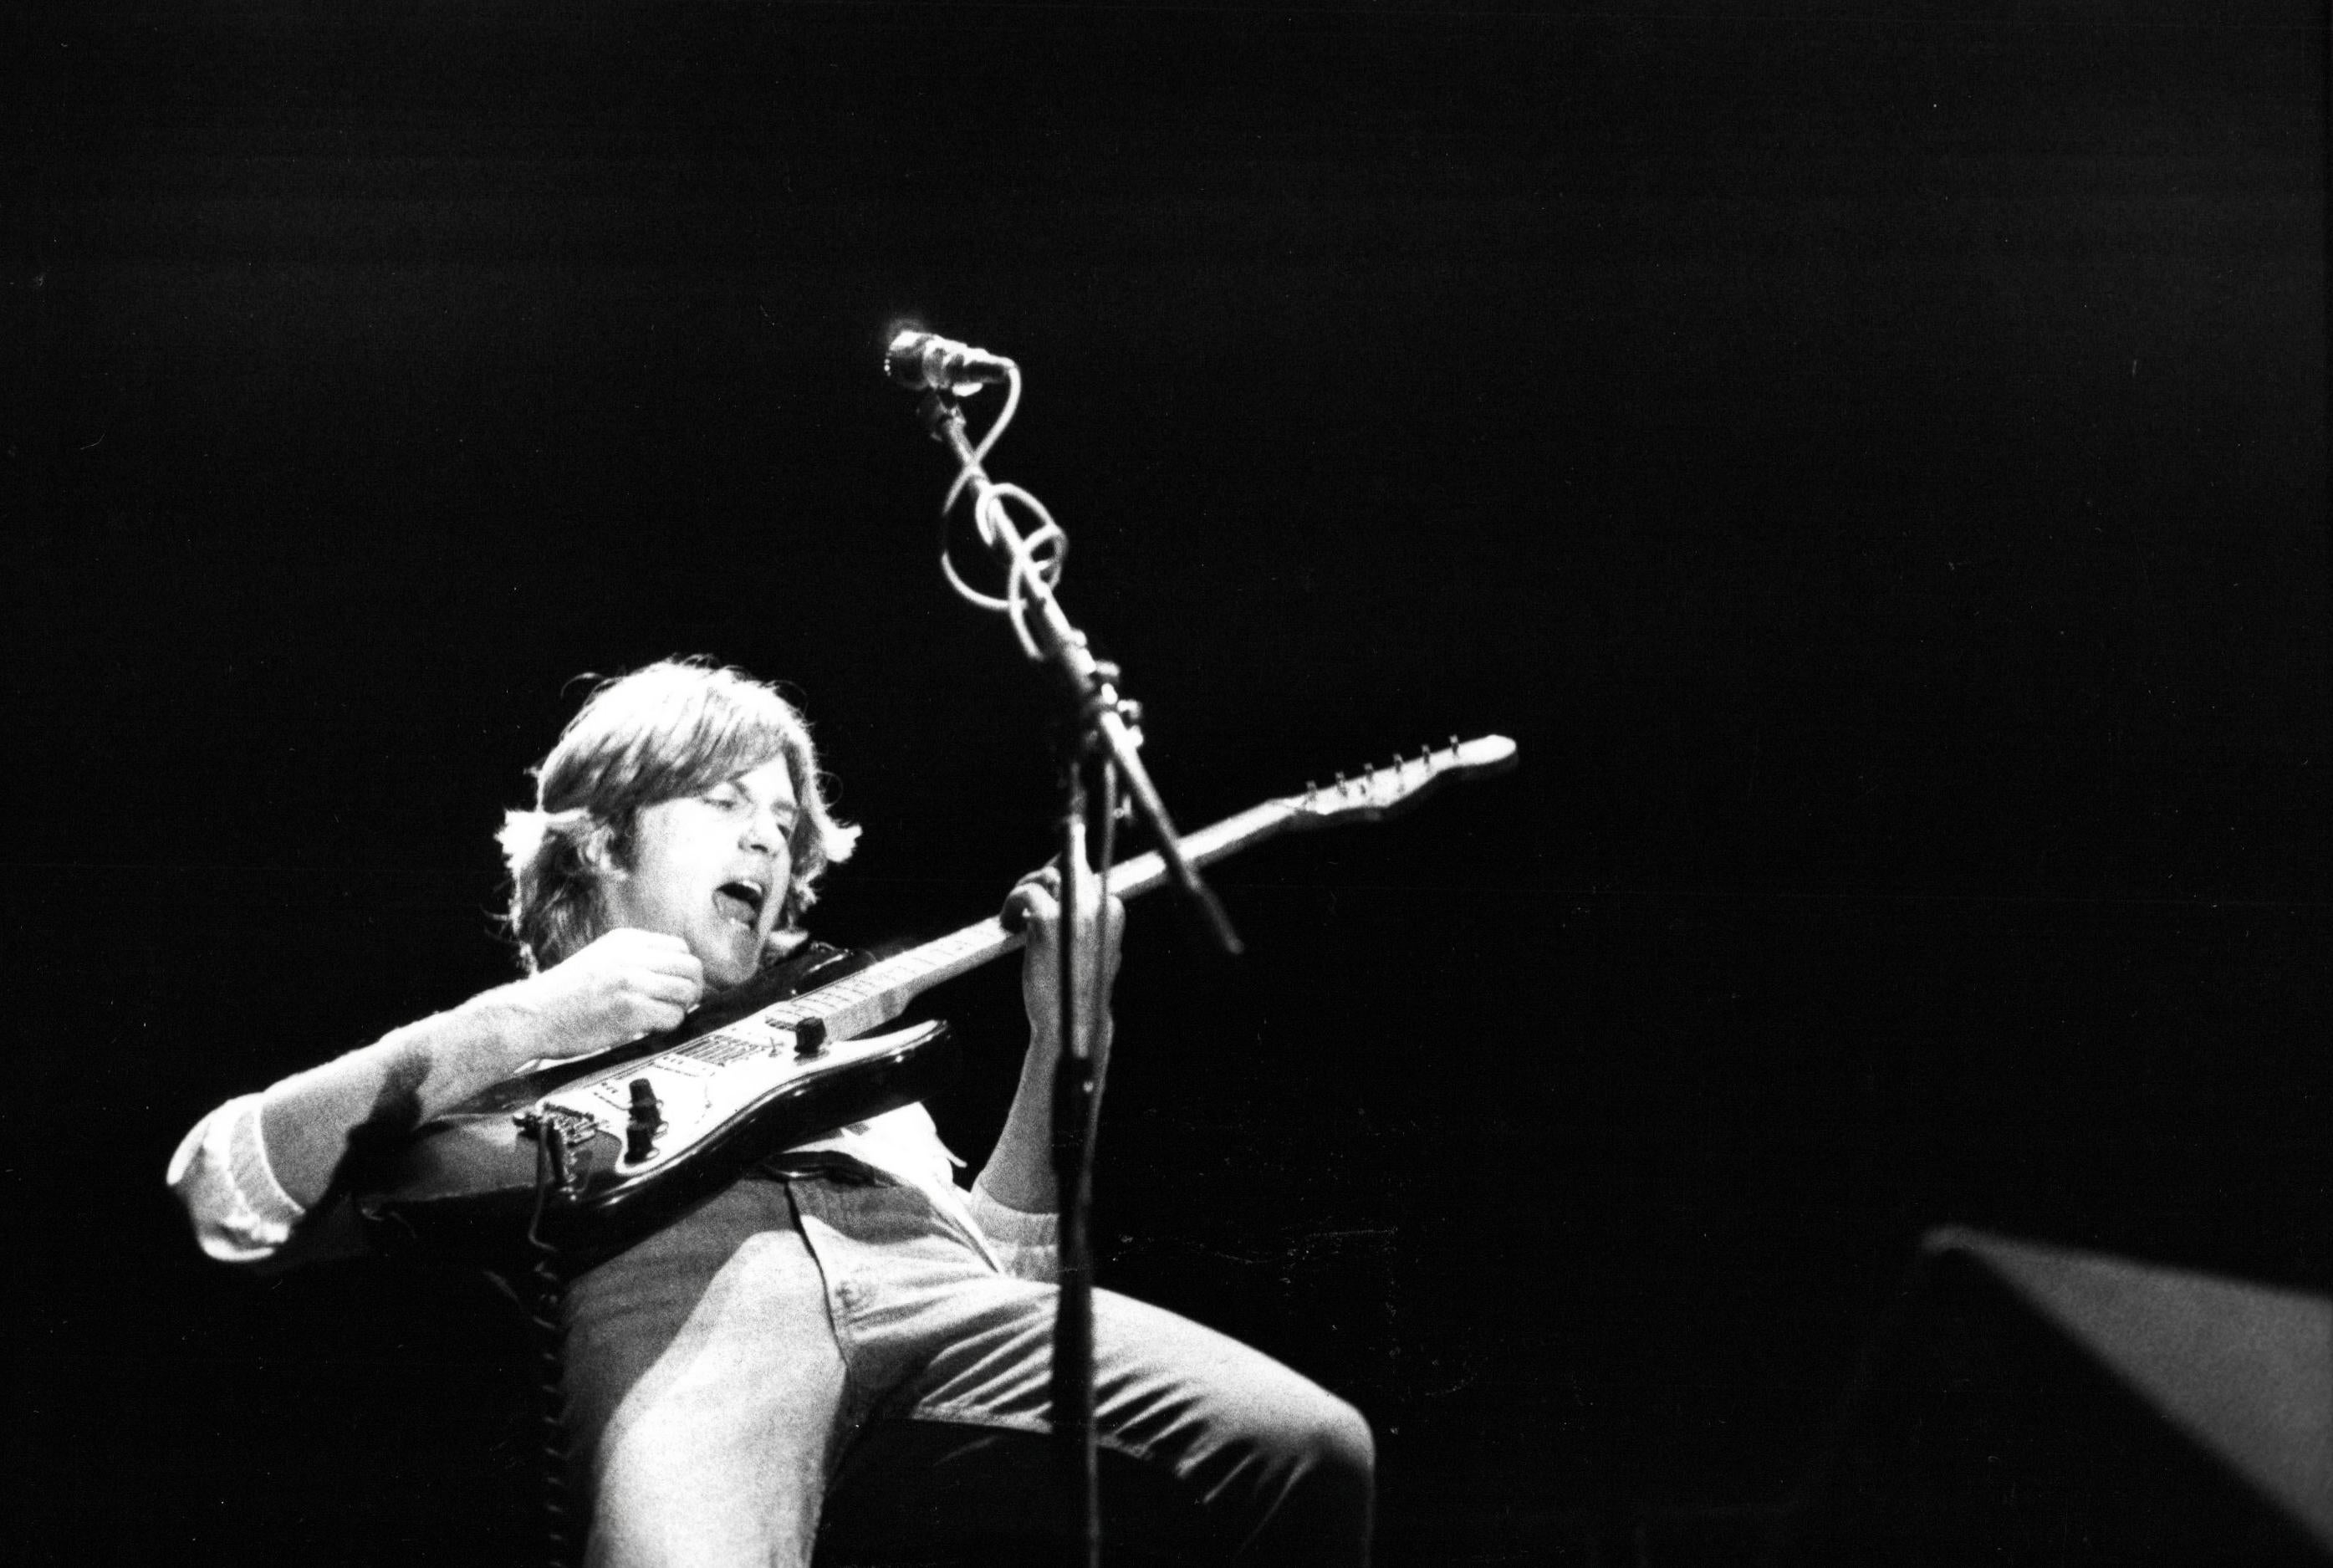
pixel 881 991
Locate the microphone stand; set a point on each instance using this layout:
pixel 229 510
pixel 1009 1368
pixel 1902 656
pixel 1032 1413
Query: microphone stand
pixel 1103 735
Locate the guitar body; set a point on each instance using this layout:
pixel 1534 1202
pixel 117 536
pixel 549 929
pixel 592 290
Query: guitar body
pixel 729 1091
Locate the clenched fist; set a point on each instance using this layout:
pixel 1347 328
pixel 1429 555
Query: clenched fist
pixel 1034 905
pixel 627 983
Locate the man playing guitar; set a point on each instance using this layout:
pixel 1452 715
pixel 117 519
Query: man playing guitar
pixel 842 1349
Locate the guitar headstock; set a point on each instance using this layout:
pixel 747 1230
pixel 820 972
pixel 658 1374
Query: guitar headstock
pixel 1381 791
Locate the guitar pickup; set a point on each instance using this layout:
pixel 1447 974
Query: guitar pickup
pixel 810 1036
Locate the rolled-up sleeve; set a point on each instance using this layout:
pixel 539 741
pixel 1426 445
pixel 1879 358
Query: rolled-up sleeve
pixel 241 1212
pixel 1028 1246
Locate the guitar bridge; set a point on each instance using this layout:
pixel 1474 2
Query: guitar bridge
pixel 576 1127
pixel 566 1134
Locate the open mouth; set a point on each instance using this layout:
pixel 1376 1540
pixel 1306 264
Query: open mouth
pixel 740 902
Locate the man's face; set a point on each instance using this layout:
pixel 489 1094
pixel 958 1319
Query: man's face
pixel 712 870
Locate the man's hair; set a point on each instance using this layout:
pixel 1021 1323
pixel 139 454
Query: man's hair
pixel 670 729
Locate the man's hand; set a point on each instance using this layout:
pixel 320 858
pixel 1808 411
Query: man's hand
pixel 1034 905
pixel 1020 1170
pixel 627 984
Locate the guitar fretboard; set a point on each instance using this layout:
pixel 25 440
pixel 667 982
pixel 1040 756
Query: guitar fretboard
pixel 877 994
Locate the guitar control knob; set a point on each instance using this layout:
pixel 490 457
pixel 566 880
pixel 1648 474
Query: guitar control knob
pixel 809 1037
pixel 647 1122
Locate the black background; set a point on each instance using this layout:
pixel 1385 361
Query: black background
pixel 1872 460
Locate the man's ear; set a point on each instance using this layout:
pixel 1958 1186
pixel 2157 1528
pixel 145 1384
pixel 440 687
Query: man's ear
pixel 596 850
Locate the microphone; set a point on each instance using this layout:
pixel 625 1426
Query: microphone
pixel 926 361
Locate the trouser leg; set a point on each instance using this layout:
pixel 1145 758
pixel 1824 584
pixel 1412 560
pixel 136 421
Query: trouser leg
pixel 954 1495
pixel 703 1388
pixel 1270 1468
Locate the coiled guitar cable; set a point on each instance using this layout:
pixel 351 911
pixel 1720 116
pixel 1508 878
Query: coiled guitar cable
pixel 545 1309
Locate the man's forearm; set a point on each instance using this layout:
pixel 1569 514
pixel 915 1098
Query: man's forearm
pixel 401 1080
pixel 1020 1170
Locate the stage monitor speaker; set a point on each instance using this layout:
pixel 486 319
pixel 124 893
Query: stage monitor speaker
pixel 2035 1406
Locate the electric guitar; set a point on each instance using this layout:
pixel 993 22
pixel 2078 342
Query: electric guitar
pixel 587 1157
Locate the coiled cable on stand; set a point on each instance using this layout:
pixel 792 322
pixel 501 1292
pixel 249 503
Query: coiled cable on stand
pixel 1037 556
